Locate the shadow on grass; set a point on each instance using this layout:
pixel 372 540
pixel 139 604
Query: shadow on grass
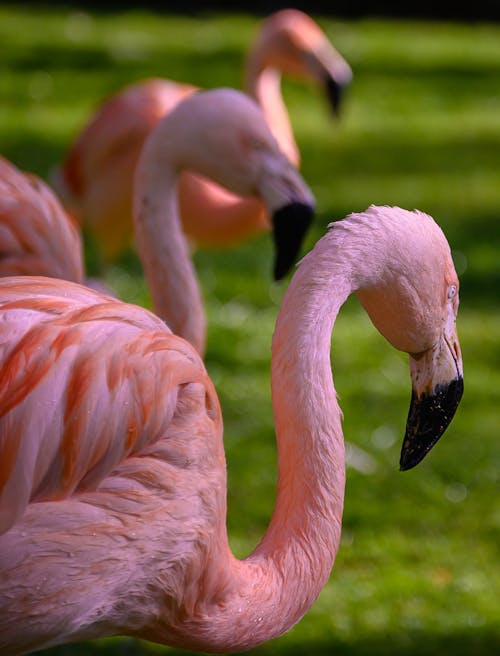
pixel 473 642
pixel 392 152
pixel 452 74
pixel 81 59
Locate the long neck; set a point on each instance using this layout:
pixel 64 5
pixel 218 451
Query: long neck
pixel 163 248
pixel 279 581
pixel 264 84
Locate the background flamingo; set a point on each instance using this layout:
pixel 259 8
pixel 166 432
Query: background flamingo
pixel 114 522
pixel 95 177
pixel 37 237
pixel 221 134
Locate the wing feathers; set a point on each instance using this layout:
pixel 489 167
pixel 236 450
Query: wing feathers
pixel 86 383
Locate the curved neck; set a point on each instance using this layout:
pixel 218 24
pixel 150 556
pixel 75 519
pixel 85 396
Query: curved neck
pixel 276 585
pixel 264 84
pixel 163 248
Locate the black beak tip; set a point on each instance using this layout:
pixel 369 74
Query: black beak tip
pixel 335 93
pixel 290 224
pixel 406 462
pixel 428 419
pixel 280 270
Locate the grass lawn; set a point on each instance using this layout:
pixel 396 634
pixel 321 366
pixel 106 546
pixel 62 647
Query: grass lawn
pixel 418 568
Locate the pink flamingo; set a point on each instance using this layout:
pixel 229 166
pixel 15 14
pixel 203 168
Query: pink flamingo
pixel 95 177
pixel 112 468
pixel 37 237
pixel 221 134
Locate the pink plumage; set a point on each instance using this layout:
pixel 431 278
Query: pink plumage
pixel 37 237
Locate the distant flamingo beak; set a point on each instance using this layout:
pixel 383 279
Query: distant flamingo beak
pixel 329 67
pixel 290 224
pixel 335 94
pixel 438 386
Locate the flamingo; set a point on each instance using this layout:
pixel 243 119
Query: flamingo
pixel 37 236
pixel 95 177
pixel 112 467
pixel 223 135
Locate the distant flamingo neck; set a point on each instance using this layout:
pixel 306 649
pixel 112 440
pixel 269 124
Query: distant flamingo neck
pixel 264 84
pixel 163 248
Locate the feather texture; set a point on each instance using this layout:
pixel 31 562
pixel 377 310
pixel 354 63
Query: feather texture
pixel 37 237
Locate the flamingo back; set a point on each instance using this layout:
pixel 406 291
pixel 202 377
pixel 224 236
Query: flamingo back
pixel 87 383
pixel 37 237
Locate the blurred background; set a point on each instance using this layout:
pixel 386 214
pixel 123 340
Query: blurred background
pixel 418 567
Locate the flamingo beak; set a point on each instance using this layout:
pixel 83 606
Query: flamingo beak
pixel 335 94
pixel 437 387
pixel 329 67
pixel 290 224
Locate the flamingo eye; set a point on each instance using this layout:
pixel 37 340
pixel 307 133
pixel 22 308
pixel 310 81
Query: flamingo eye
pixel 452 292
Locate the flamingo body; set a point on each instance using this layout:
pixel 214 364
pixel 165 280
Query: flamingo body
pixel 63 351
pixel 37 237
pixel 112 467
pixel 95 178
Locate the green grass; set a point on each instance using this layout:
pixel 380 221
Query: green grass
pixel 417 572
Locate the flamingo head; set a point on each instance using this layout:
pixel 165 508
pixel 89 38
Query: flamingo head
pixel 413 301
pixel 292 42
pixel 222 135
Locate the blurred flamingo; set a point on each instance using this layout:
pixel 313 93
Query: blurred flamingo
pixel 37 237
pixel 221 134
pixel 112 467
pixel 95 178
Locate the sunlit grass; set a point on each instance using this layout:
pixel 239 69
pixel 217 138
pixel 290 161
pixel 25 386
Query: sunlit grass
pixel 417 572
